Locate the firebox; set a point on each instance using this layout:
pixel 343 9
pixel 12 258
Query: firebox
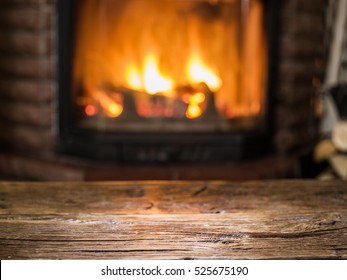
pixel 165 80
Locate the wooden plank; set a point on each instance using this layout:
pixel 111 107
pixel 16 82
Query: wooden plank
pixel 174 220
pixel 169 197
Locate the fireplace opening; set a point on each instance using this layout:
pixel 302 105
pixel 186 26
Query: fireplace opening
pixel 165 81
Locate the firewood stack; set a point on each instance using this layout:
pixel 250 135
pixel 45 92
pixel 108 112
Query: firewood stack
pixel 334 149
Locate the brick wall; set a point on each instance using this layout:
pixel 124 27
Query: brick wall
pixel 27 69
pixel 28 84
pixel 301 68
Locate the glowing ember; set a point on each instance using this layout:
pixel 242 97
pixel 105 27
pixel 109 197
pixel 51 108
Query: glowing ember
pixel 197 98
pixel 90 110
pixel 194 109
pixel 114 110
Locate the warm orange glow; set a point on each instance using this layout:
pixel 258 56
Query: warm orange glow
pixel 151 80
pixel 154 47
pixel 90 110
pixel 114 110
pixel 199 72
pixel 111 108
pixel 193 111
pixel 133 78
pixel 154 81
pixel 197 98
pixel 195 101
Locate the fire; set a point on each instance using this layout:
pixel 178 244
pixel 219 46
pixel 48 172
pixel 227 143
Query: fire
pixel 194 109
pixel 111 108
pixel 197 98
pixel 133 77
pixel 222 45
pixel 152 80
pixel 198 72
pixel 114 110
pixel 90 110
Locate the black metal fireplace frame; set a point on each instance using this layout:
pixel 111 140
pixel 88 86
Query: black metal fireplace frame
pixel 158 147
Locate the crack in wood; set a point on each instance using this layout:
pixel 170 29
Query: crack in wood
pixel 295 234
pixel 87 240
pixel 150 206
pixel 200 191
pixel 128 251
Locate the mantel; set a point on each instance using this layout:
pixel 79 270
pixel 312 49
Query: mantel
pixel 173 220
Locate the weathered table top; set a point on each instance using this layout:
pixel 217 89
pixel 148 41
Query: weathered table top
pixel 174 220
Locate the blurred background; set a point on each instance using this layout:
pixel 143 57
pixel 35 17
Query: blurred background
pixel 273 102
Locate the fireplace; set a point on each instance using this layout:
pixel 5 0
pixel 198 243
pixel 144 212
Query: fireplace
pixel 165 81
pixel 46 134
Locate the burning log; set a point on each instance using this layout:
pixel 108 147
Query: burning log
pixel 210 110
pixel 116 102
pixel 195 101
pixel 200 101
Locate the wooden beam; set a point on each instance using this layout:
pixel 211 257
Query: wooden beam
pixel 174 220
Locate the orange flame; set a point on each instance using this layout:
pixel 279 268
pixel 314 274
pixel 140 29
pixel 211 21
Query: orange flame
pixel 233 65
pixel 133 78
pixel 152 80
pixel 198 72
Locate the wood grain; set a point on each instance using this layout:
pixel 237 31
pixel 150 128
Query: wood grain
pixel 174 220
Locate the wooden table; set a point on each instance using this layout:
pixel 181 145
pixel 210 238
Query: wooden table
pixel 174 220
